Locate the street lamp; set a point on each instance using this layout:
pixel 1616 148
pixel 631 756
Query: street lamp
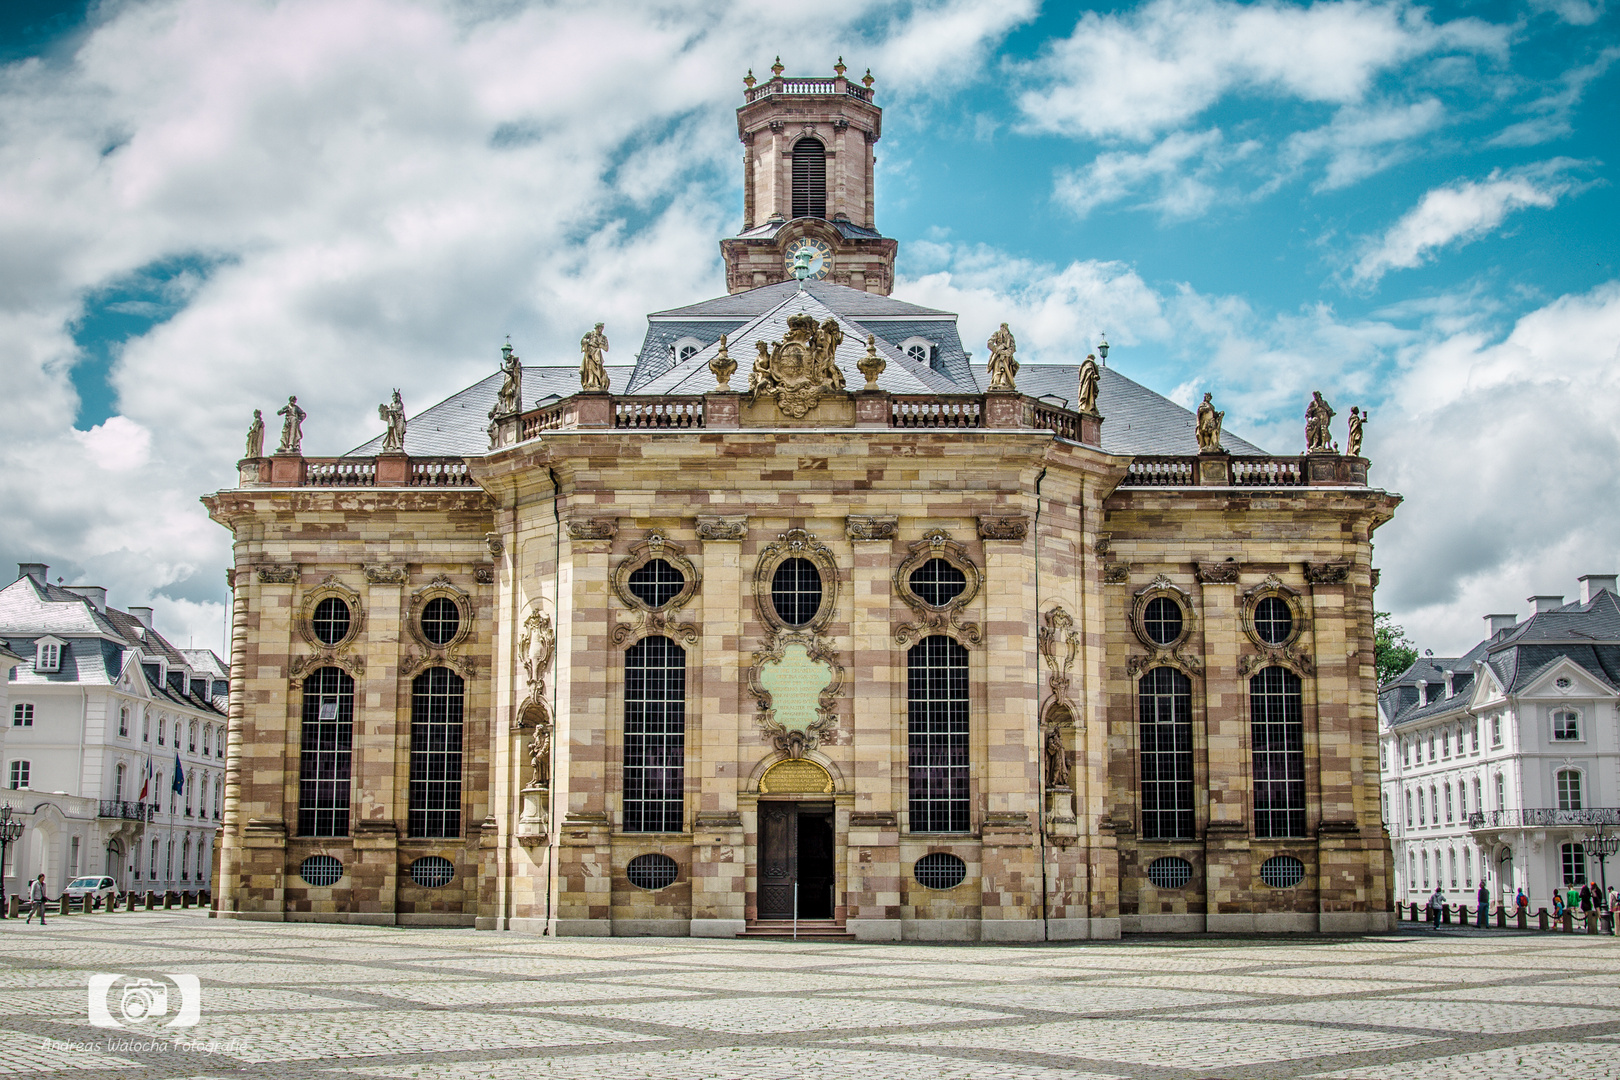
pixel 10 832
pixel 1102 349
pixel 1601 844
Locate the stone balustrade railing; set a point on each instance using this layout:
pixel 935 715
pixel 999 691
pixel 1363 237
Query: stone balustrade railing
pixel 924 411
pixel 1542 817
pixel 807 86
pixel 384 470
pixel 1226 470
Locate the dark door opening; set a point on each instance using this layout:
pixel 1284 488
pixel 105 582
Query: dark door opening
pixel 796 849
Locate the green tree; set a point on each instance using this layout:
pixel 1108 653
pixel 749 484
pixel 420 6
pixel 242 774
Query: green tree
pixel 1392 649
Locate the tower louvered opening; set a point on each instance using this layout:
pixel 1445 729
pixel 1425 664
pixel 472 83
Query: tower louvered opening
pixel 809 178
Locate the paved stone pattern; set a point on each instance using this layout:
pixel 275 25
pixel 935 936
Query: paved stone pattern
pixel 286 1001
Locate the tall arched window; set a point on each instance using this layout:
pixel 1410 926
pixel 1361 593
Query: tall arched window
pixel 326 754
pixel 1569 789
pixel 937 732
pixel 809 178
pixel 654 735
pixel 185 859
pixel 1164 727
pixel 118 784
pixel 1277 731
pixel 435 801
pixel 1408 809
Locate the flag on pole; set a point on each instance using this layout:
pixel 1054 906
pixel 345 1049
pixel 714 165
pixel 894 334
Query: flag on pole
pixel 146 782
pixel 179 784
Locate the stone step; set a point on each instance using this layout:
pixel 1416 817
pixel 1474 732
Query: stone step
pixel 812 929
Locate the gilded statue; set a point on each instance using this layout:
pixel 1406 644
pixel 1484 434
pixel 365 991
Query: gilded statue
pixel 1085 397
pixel 1057 759
pixel 800 368
pixel 722 365
pixel 509 399
pixel 593 376
pixel 255 438
pixel 292 429
pixel 1318 425
pixel 1209 427
pixel 392 413
pixel 1003 365
pixel 1352 445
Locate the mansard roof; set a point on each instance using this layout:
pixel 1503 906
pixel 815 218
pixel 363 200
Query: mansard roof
pixel 841 299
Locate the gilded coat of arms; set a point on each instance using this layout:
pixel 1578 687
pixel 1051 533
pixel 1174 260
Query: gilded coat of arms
pixel 797 370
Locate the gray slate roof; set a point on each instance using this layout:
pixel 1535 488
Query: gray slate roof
pixel 840 298
pixel 846 228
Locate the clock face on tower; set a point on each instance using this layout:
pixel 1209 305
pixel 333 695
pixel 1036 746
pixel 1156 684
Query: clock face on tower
pixel 819 251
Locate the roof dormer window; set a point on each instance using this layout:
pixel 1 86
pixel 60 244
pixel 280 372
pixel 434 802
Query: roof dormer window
pixel 48 655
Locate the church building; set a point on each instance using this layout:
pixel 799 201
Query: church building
pixel 805 615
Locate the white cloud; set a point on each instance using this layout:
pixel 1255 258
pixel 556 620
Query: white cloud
pixel 1156 67
pixel 1360 141
pixel 1462 212
pixel 1551 113
pixel 118 444
pixel 1180 173
pixel 1574 12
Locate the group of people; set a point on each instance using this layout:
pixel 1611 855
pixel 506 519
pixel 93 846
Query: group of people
pixel 1586 899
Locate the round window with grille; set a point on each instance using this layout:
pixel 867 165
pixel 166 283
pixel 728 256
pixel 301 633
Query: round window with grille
pixel 432 872
pixel 941 870
pixel 1169 872
pixel 937 582
pixel 331 621
pixel 918 353
pixel 320 870
pixel 1272 620
pixel 655 583
pixel 1282 871
pixel 1161 621
pixel 652 871
pixel 440 620
pixel 796 591
pixel 687 352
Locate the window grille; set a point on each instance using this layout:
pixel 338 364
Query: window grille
pixel 331 621
pixel 441 618
pixel 937 582
pixel 432 872
pixel 1169 872
pixel 937 724
pixel 654 735
pixel 655 583
pixel 1277 727
pixel 437 699
pixel 1285 871
pixel 1569 789
pixel 320 870
pixel 796 591
pixel 687 352
pixel 1164 727
pixel 809 178
pixel 1272 620
pixel 1161 620
pixel 1567 726
pixel 326 753
pixel 919 353
pixel 939 870
pixel 652 872
pixel 1573 857
pixel 47 657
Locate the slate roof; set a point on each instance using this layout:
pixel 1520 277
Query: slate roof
pixel 840 298
pixel 846 228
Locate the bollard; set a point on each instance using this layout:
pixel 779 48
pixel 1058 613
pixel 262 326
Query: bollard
pixel 1591 922
pixel 89 904
pixel 1501 917
pixel 1569 922
pixel 1541 918
pixel 14 908
pixel 151 899
pixel 1445 914
pixel 1414 912
pixel 185 900
pixel 1462 914
pixel 65 906
pixel 168 899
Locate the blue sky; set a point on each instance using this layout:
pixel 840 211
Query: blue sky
pixel 212 205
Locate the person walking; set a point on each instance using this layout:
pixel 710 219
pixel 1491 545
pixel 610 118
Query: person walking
pixel 1436 903
pixel 37 899
pixel 1484 898
pixel 1586 899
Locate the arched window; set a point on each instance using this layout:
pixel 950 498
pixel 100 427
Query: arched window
pixel 937 732
pixel 809 178
pixel 219 794
pixel 118 783
pixel 654 735
pixel 1434 804
pixel 1449 807
pixel 1569 789
pixel 326 754
pixel 1451 863
pixel 191 744
pixel 1408 809
pixel 1164 729
pixel 185 859
pixel 1277 730
pixel 1468 866
pixel 437 697
pixel 1425 869
pixel 1411 871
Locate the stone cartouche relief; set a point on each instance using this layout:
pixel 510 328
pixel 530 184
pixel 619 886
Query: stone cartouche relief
pixel 662 619
pixel 1169 653
pixel 945 618
pixel 795 677
pixel 336 654
pixel 1288 652
pixel 425 654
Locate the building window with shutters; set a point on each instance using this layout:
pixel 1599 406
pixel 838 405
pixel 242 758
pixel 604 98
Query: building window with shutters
pixel 326 754
pixel 654 735
pixel 437 697
pixel 809 178
pixel 1277 732
pixel 1164 739
pixel 937 733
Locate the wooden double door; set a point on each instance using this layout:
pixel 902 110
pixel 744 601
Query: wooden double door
pixel 796 849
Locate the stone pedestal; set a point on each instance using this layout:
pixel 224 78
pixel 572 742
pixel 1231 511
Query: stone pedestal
pixel 393 470
pixel 286 470
pixel 1060 809
pixel 871 408
pixel 1091 429
pixel 1214 469
pixel 534 819
pixel 594 409
pixel 720 410
pixel 1006 409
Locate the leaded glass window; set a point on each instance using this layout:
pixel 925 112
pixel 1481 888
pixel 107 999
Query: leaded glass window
pixel 937 725
pixel 437 699
pixel 1164 727
pixel 325 754
pixel 1277 731
pixel 654 735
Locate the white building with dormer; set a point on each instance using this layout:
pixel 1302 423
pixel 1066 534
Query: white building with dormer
pixel 99 713
pixel 1497 763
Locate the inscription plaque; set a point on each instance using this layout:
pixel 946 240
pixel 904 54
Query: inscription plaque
pixel 795 683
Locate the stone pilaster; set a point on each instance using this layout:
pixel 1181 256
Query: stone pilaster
pixel 719 865
pixel 878 736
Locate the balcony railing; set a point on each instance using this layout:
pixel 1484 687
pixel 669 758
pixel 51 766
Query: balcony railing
pixel 127 811
pixel 1544 817
pixel 807 86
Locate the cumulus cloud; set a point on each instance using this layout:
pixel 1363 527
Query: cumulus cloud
pixel 1463 212
pixel 1141 72
pixel 1181 172
pixel 1574 12
pixel 1360 141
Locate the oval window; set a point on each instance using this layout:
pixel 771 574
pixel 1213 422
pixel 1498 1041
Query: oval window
pixel 1161 620
pixel 652 871
pixel 440 620
pixel 432 872
pixel 796 591
pixel 941 870
pixel 1272 620
pixel 655 583
pixel 331 622
pixel 1282 871
pixel 937 582
pixel 320 870
pixel 1169 872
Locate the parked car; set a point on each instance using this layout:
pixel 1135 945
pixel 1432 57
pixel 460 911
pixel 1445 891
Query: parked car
pixel 103 889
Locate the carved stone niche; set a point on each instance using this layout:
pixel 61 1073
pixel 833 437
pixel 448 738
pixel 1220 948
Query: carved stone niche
pixel 443 654
pixel 946 617
pixel 655 618
pixel 1286 649
pixel 1168 651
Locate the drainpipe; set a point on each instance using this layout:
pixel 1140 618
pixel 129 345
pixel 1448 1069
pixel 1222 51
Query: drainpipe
pixel 1040 777
pixel 556 607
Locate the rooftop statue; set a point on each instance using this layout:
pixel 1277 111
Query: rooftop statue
pixel 255 436
pixel 1209 428
pixel 799 369
pixel 1318 425
pixel 1003 365
pixel 1085 398
pixel 392 413
pixel 292 429
pixel 1352 444
pixel 510 397
pixel 592 369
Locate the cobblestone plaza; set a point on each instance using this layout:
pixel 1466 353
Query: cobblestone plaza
pixel 283 1000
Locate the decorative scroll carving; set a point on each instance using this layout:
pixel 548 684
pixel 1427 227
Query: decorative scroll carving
pixel 857 527
pixel 282 574
pixel 945 619
pixel 799 369
pixel 1298 659
pixel 1059 644
pixel 1286 652
pixel 1135 665
pixel 1220 573
pixel 385 575
pixel 786 669
pixel 496 545
pixel 1333 573
pixel 1013 527
pixel 1168 652
pixel 592 528
pixel 796 544
pixel 445 653
pixel 1102 543
pixel 661 619
pixel 312 598
pixel 304 666
pixel 1116 573
pixel 484 574
pixel 722 528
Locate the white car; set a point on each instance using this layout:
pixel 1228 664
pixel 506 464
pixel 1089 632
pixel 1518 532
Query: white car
pixel 103 889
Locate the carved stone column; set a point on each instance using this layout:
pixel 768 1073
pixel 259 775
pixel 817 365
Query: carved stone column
pixel 719 878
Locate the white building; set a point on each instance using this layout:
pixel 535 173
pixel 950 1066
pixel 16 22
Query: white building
pixel 100 708
pixel 1496 763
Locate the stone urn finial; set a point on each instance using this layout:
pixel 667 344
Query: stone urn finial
pixel 777 68
pixel 722 365
pixel 871 364
pixel 749 80
pixel 867 80
pixel 839 68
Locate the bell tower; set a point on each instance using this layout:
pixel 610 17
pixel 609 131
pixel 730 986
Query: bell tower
pixel 807 184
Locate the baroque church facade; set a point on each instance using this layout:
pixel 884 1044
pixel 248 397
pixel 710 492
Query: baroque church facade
pixel 870 637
